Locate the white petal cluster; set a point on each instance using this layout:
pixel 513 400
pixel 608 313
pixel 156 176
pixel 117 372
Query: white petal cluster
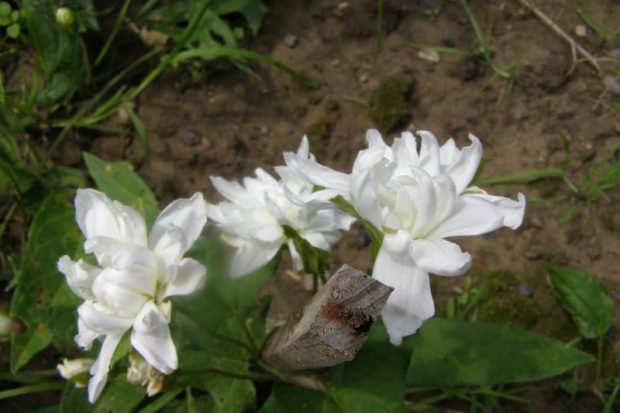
pixel 74 370
pixel 417 199
pixel 136 274
pixel 143 374
pixel 253 215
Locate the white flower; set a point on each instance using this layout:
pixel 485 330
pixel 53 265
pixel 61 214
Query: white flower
pixel 75 370
pixel 417 200
pixel 254 214
pixel 137 273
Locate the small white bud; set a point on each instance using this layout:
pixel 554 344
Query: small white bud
pixel 64 17
pixel 76 370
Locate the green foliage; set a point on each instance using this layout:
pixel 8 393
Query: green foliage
pixel 10 18
pixel 219 329
pixel 118 181
pixel 592 310
pixel 376 235
pixel 118 397
pixel 315 260
pixel 41 289
pixel 456 353
pixel 61 52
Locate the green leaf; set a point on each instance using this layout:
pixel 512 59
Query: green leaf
pixel 52 234
pixel 286 399
pixel 118 397
pixel 315 260
pixel 252 10
pixel 375 379
pixel 121 183
pixel 5 9
pixel 13 31
pixel 376 235
pixel 218 328
pixel 61 54
pixel 458 353
pixel 592 310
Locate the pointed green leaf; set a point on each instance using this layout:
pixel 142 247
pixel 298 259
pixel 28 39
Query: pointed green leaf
pixel 118 397
pixel 52 234
pixel 459 353
pixel 592 310
pixel 122 184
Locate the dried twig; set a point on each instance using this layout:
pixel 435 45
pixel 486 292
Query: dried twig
pixel 575 47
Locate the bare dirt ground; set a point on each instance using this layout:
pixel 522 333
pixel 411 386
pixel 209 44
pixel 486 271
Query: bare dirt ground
pixel 228 123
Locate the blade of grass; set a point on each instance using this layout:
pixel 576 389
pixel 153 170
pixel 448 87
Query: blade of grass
pixel 140 130
pixel 112 36
pixel 217 52
pixel 521 178
pixel 35 388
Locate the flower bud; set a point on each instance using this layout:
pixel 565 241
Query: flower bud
pixel 64 17
pixel 142 373
pixel 76 370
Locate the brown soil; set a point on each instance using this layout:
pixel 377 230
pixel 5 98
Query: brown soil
pixel 231 122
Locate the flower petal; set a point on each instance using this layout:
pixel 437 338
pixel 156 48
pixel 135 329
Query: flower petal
pixel 250 256
pixel 471 215
pixel 463 170
pixel 513 211
pixel 429 153
pixel 98 216
pixel 182 218
pixel 85 336
pixel 190 276
pixel 151 338
pixel 80 276
pixel 125 291
pixel 318 174
pixel 440 257
pixel 411 302
pixel 102 366
pixel 364 197
pixel 99 322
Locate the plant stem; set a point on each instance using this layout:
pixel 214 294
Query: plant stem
pixel 117 25
pixel 600 347
pixel 575 47
pixel 35 388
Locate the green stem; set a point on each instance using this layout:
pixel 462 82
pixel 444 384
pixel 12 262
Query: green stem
pixel 117 26
pixel 35 388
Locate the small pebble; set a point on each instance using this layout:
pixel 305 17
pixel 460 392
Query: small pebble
pixel 335 62
pixel 536 222
pixel 581 30
pixel 291 40
pixel 612 83
pixel 429 56
pixel 363 78
pixel 264 130
pixel 526 290
pixel 342 9
pixel 565 115
pixel 533 255
pixel 192 138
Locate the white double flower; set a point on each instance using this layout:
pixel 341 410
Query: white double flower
pixel 137 273
pixel 252 218
pixel 417 200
